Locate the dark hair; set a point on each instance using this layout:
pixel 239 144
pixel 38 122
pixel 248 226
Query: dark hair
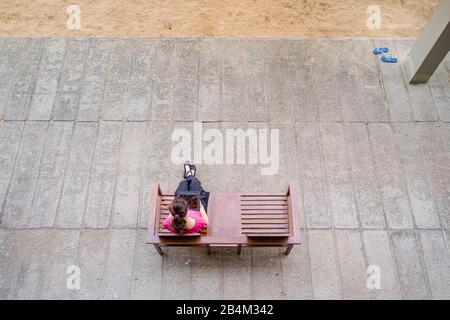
pixel 178 209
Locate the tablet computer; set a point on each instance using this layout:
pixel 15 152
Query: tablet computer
pixel 192 198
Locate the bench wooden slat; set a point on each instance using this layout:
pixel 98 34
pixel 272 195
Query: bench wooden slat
pixel 262 194
pixel 265 226
pixel 264 216
pixel 264 212
pixel 165 231
pixel 267 235
pixel 264 221
pixel 263 198
pixel 169 234
pixel 255 207
pixel 270 231
pixel 264 203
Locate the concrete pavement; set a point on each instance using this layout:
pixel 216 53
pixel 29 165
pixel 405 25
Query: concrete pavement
pixel 85 127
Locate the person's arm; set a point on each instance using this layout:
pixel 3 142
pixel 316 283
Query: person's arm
pixel 203 213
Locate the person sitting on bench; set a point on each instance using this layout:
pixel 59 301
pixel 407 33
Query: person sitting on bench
pixel 188 213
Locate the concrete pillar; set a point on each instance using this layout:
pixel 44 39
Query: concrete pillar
pixel 431 47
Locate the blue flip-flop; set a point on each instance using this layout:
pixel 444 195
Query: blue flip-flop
pixel 389 59
pixel 380 50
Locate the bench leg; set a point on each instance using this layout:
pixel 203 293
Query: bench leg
pixel 208 249
pixel 288 249
pixel 158 248
pixel 239 247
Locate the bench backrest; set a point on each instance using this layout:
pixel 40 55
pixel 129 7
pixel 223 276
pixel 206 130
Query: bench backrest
pixel 165 201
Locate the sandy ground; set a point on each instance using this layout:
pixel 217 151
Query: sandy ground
pixel 212 18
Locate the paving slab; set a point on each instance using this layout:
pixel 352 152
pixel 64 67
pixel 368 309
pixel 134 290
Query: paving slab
pixel 409 265
pixel 24 78
pixel 417 182
pixel 10 50
pixel 51 173
pixel 396 90
pixel 447 63
pixel 119 264
pixel 237 274
pixel 379 254
pixel 71 79
pixel 43 99
pixel 296 272
pixel 93 246
pixel 17 206
pixel 312 176
pixel 447 239
pixel 129 173
pixel 437 263
pixel 277 171
pixel 422 103
pixel 278 87
pixel 232 99
pixel 212 172
pixel 141 81
pixel 438 167
pixel 164 81
pixel 324 73
pixel 390 177
pixel 369 81
pixel 231 168
pixel 10 133
pixel 177 270
pixel 157 168
pixel 257 105
pixel 340 187
pixel 209 106
pixel 100 200
pixel 147 270
pixel 31 252
pixel 364 177
pixel 5 263
pixel 63 256
pixel 207 280
pixel 348 64
pixel 186 84
pixel 267 277
pixel 440 89
pixel 352 264
pixel 304 98
pixel 93 87
pixel 115 95
pixel 445 129
pixel 72 202
pixel 326 283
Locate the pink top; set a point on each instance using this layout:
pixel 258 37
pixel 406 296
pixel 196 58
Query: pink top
pixel 200 223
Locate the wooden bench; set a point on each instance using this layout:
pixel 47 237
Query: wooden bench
pixel 235 219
